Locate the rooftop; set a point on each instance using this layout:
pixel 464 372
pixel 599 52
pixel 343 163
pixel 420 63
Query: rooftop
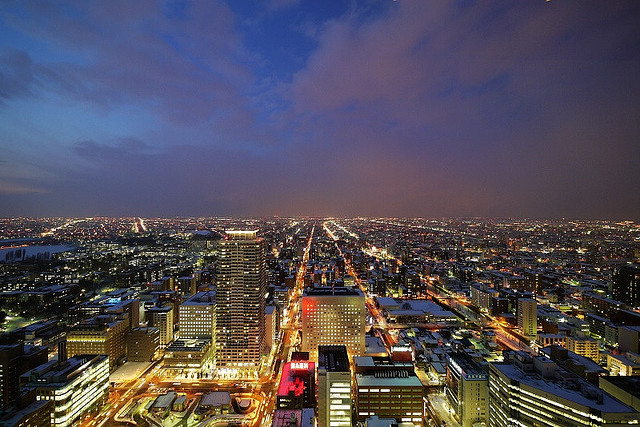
pixel 333 291
pixel 241 234
pixel 466 364
pixel 165 400
pixel 333 358
pixel 555 387
pixel 216 398
pixel 365 380
pixel 188 345
pixel 202 298
pixel 52 373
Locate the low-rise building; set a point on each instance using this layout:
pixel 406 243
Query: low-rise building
pixel 626 365
pixel 76 386
pixel 526 390
pixel 163 403
pixel 388 389
pixel 194 355
pixel 214 403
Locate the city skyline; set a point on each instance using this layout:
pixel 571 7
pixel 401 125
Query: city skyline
pixel 281 322
pixel 371 108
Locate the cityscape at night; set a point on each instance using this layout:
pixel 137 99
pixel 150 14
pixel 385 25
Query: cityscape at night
pixel 319 321
pixel 288 213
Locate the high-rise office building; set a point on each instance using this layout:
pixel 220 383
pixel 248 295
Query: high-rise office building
pixel 467 389
pixel 334 386
pixel 626 285
pixel 16 359
pixel 198 317
pixel 333 315
pixel 272 323
pixel 100 335
pixel 162 317
pixel 528 316
pixel 240 300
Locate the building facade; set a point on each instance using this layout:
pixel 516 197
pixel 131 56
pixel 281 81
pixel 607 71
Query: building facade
pixel 76 386
pixel 528 317
pixel 241 290
pixel 198 317
pixel 388 389
pixel 101 335
pixel 297 387
pixel 193 357
pixel 467 389
pixel 625 365
pixel 334 386
pixel 15 360
pixel 162 317
pixel 525 390
pixel 143 344
pixel 333 315
pixel 626 285
pixel 584 346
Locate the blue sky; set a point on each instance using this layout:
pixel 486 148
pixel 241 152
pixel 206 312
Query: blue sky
pixel 285 107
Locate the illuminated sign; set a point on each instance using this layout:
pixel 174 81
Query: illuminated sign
pixel 300 366
pixel 113 300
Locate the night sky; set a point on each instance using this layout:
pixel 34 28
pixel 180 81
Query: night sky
pixel 285 107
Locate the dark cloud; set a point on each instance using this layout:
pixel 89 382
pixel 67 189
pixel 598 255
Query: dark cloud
pixel 411 109
pixel 493 110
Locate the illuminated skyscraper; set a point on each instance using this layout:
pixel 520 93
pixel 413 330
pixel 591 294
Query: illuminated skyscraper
pixel 333 316
pixel 241 291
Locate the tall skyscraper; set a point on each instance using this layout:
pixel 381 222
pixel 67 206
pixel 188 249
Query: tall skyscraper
pixel 241 291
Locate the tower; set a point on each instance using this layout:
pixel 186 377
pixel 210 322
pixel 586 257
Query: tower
pixel 241 291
